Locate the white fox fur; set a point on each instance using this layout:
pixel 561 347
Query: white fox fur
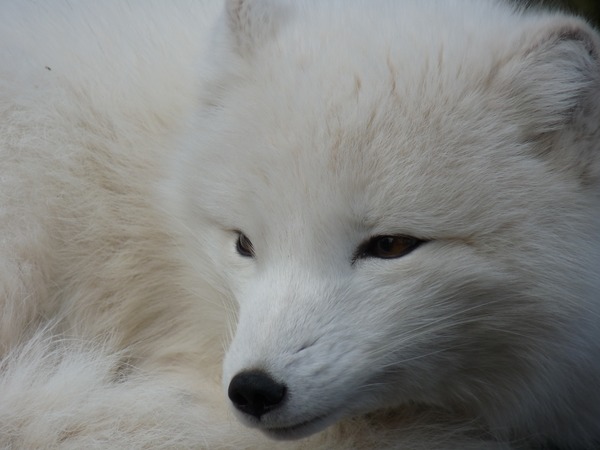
pixel 139 138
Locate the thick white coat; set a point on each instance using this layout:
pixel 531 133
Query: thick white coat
pixel 137 139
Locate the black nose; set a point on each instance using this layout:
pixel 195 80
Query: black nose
pixel 255 392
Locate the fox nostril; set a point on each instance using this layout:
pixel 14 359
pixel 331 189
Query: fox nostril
pixel 256 393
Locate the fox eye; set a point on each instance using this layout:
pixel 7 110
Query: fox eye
pixel 244 246
pixel 387 247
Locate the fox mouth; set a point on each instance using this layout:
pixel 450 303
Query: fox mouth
pixel 300 430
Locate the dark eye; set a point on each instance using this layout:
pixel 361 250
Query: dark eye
pixel 387 247
pixel 244 246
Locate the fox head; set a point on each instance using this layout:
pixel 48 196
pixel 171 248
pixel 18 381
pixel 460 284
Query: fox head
pixel 403 205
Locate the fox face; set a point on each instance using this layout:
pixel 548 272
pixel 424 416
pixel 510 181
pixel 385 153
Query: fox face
pixel 385 213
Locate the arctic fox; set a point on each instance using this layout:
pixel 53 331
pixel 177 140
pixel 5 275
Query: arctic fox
pixel 334 223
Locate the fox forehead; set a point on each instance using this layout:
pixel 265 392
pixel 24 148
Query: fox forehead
pixel 379 164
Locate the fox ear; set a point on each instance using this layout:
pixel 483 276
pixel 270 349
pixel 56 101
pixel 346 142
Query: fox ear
pixel 252 22
pixel 552 87
pixel 557 74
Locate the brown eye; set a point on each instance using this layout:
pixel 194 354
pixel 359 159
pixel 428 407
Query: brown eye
pixel 387 247
pixel 244 246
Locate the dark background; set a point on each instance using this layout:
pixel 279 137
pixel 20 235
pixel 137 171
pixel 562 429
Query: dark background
pixel 586 8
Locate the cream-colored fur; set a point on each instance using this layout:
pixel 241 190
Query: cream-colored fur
pixel 137 138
